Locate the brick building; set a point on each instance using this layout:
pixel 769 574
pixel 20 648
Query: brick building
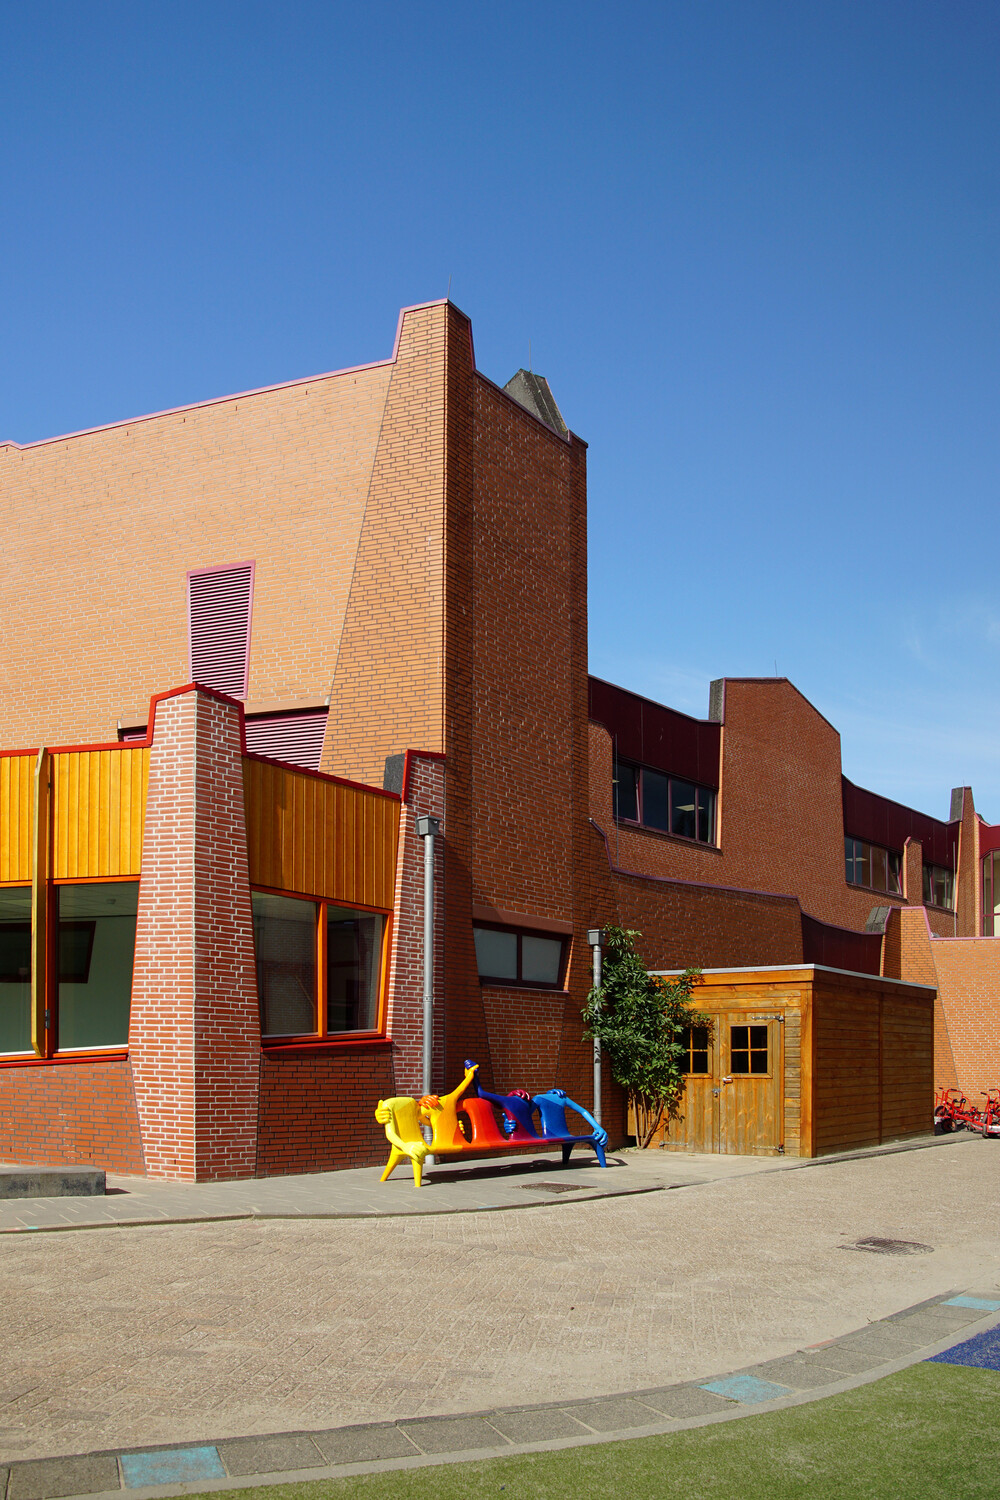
pixel 378 580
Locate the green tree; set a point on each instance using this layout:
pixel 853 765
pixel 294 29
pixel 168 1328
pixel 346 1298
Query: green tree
pixel 639 1020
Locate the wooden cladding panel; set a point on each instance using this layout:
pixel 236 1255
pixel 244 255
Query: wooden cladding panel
pixel 17 816
pixel 907 1067
pixel 846 1083
pixel 320 837
pixel 98 812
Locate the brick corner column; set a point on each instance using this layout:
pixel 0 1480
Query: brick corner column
pixel 194 1035
pixel 404 1022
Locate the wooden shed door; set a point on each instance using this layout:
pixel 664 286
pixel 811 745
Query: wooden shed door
pixel 751 1096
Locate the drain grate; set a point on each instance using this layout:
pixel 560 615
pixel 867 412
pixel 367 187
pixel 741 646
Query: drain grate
pixel 552 1187
pixel 876 1246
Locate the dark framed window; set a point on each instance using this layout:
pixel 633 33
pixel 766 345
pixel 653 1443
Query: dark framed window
pixel 95 943
pixel 991 894
pixel 748 1052
pixel 319 966
pixel 872 866
pixel 939 886
pixel 515 955
pixel 666 803
pixel 15 968
pixel 697 1042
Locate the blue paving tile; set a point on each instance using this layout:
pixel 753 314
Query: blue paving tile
pixel 982 1302
pixel 171 1466
pixel 982 1351
pixel 747 1388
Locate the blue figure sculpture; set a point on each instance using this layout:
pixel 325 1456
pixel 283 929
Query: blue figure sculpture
pixel 519 1124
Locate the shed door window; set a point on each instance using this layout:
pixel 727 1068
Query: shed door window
pixel 220 602
pixel 748 1049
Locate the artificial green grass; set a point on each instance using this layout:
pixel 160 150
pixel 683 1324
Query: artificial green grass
pixel 900 1438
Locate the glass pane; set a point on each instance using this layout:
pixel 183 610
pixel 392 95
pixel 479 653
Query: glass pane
pixel 995 882
pixel 353 951
pixel 758 1062
pixel 496 953
pixel 895 872
pixel 626 792
pixel 878 869
pixel 862 866
pixel 96 945
pixel 696 1042
pixel 928 886
pixel 739 1061
pixel 284 933
pixel 849 860
pixel 654 800
pixel 706 816
pixel 758 1036
pixel 15 969
pixel 682 809
pixel 541 959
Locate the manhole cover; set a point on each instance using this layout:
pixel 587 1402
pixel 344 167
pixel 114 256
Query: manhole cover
pixel 890 1247
pixel 551 1187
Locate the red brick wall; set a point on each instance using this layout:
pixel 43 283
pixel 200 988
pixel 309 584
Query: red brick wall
pixel 690 926
pixel 780 823
pixel 404 1022
pixel 281 476
pixel 194 1034
pixel 317 1109
pixel 80 1113
pixel 386 664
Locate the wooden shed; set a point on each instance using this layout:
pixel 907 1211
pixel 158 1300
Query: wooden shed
pixel 805 1061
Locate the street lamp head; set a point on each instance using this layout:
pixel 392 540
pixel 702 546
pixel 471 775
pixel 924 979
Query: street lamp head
pixel 595 937
pixel 428 827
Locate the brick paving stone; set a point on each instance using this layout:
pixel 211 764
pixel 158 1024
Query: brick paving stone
pixel 452 1434
pixel 614 1415
pixel 683 1401
pixel 544 1425
pixel 48 1478
pixel 804 1374
pixel 366 1443
pixel 270 1455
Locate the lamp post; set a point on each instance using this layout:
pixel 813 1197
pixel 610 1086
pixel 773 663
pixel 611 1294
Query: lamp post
pixel 595 937
pixel 428 829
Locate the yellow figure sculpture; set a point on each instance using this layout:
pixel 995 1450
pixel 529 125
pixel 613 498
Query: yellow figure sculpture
pixel 402 1130
pixel 441 1114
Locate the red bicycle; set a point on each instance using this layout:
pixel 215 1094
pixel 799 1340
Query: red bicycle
pixel 952 1111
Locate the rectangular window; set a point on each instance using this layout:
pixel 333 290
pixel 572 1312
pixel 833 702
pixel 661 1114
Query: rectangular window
pixel 319 966
pixel 15 969
pixel 939 886
pixel 626 791
pixel 748 1049
pixel 665 803
pixel 507 955
pixel 220 605
pixel 95 942
pixel 872 866
pixel 991 894
pixel 696 1040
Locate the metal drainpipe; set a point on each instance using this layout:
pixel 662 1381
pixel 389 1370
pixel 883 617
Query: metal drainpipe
pixel 428 829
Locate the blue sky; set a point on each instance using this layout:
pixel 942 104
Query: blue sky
pixel 754 247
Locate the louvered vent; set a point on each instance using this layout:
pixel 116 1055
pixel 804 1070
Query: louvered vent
pixel 219 606
pixel 294 738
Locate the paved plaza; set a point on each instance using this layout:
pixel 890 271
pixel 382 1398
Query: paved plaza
pixel 198 1332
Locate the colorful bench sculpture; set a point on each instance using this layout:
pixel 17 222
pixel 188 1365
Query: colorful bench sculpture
pixel 403 1116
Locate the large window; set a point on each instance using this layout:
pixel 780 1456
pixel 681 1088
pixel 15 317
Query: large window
pixel 939 886
pixel 872 866
pixel 319 966
pixel 511 955
pixel 642 795
pixel 89 980
pixel 991 894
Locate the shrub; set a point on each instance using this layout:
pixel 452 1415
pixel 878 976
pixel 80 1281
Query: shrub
pixel 639 1020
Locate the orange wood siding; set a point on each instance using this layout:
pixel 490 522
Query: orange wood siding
pixel 320 837
pixel 98 812
pixel 17 817
pixel 907 1067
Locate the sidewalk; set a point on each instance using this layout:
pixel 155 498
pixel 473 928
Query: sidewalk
pixel 453 1187
pixel 917 1334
